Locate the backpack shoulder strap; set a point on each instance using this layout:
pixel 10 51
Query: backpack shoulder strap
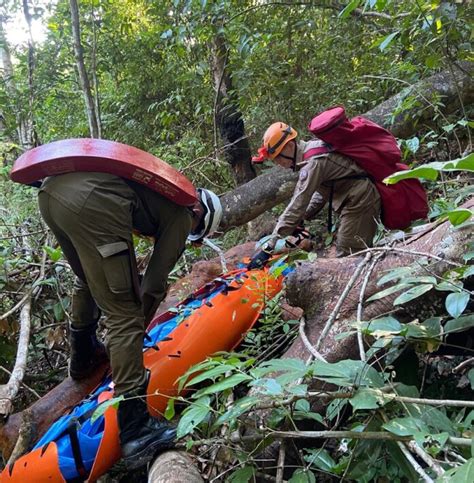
pixel 316 151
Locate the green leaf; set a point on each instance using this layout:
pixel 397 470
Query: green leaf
pixel 237 409
pixel 413 144
pixel 388 291
pixel 461 474
pixel 211 374
pixel 269 386
pixel 347 373
pixel 228 383
pixel 459 215
pixel 456 303
pixel 53 253
pixel 405 426
pixel 365 398
pixel 382 327
pixel 320 458
pixel 169 411
pixel 193 415
pixel 242 475
pixel 394 274
pixel 101 408
pixel 302 476
pixel 458 325
pixel 470 376
pixel 387 40
pixel 350 7
pixel 412 293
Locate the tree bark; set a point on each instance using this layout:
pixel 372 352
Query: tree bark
pixel 174 467
pixel 316 288
pixel 228 118
pixel 276 185
pixel 23 123
pixel 92 116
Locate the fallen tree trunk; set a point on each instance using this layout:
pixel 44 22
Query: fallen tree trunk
pixel 316 288
pixel 174 467
pixel 276 185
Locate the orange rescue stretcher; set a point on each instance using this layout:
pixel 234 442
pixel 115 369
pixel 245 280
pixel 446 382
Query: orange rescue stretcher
pixel 215 318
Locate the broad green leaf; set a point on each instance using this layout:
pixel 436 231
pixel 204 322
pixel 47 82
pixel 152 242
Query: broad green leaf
pixel 302 476
pixel 320 458
pixel 405 426
pixel 387 40
pixel 412 293
pixel 210 374
pixel 269 386
pixel 469 272
pixel 365 398
pixel 456 303
pixel 240 407
pixel 102 407
pixel 388 291
pixel 193 415
pixel 394 274
pixel 461 474
pixel 242 475
pixel 382 326
pixel 425 172
pixel 347 373
pixel 458 325
pixel 459 215
pixel 228 383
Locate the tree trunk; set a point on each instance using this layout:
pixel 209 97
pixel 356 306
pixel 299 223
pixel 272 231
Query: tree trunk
pixel 81 69
pixel 174 467
pixel 316 288
pixel 228 118
pixel 23 124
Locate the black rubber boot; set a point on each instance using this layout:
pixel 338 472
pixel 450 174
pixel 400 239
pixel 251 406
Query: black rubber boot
pixel 87 353
pixel 141 435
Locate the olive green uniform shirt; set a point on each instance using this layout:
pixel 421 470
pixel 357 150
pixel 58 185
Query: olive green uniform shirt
pixel 353 199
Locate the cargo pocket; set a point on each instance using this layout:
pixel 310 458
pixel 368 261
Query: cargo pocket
pixel 118 269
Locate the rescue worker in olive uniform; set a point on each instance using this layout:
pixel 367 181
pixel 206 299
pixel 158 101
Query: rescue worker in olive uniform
pixel 326 177
pixel 93 216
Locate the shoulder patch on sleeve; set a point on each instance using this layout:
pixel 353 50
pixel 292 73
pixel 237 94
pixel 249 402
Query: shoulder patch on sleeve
pixel 303 174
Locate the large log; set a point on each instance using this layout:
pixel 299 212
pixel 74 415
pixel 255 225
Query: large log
pixel 276 185
pixel 316 287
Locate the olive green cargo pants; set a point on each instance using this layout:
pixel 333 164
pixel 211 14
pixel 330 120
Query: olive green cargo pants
pixel 357 227
pixel 102 257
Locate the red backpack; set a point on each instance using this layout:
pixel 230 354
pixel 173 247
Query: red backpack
pixel 375 150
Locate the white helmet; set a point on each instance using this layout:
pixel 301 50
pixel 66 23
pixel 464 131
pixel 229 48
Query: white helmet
pixel 212 215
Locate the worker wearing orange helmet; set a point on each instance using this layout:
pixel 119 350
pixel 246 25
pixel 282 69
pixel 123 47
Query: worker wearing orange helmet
pixel 326 177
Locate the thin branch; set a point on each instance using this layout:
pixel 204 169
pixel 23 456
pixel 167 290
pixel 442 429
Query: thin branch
pixel 408 252
pixel 281 462
pixel 342 298
pixel 307 342
pixel 327 434
pixel 9 391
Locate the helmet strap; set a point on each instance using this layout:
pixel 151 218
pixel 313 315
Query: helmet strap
pixel 291 158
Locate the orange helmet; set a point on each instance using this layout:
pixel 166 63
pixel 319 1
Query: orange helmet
pixel 274 140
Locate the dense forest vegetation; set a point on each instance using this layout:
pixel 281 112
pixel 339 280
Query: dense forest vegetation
pixel 196 83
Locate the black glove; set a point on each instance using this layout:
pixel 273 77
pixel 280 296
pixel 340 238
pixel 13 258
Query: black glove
pixel 259 260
